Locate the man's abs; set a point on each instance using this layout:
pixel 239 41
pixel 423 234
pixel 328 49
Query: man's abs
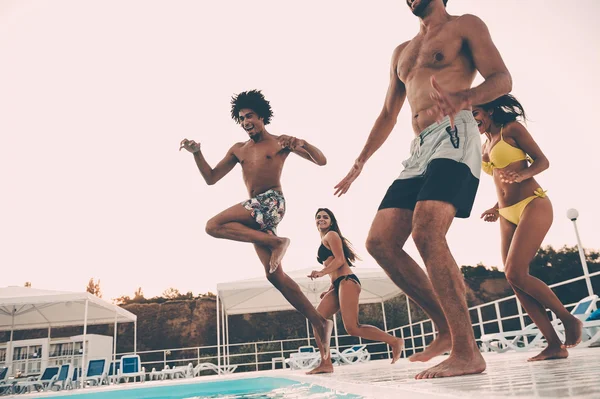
pixel 259 179
pixel 419 89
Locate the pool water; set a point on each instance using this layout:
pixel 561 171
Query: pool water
pixel 255 388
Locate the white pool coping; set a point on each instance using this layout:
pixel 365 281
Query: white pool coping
pixel 507 375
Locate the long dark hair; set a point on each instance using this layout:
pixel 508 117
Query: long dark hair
pixel 505 109
pixel 349 253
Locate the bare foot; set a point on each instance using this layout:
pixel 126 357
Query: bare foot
pixel 440 345
pixel 397 349
pixel 454 366
pixel 323 368
pixel 325 336
pixel 554 352
pixel 277 254
pixel 573 332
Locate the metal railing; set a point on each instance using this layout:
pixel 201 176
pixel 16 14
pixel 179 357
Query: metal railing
pixel 420 333
pixel 486 318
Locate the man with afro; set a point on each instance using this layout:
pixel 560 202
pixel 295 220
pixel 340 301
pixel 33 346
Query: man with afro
pixel 255 220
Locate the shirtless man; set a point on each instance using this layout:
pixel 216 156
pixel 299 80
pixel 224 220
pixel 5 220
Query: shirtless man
pixel 440 179
pixel 255 220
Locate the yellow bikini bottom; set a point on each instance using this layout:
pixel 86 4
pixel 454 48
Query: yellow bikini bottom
pixel 513 213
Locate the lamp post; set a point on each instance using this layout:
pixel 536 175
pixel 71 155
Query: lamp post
pixel 572 214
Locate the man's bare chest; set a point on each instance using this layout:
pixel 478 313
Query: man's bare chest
pixel 434 52
pixel 260 156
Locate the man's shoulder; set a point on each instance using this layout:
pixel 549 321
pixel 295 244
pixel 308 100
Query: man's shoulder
pixel 238 146
pixel 399 48
pixel 469 22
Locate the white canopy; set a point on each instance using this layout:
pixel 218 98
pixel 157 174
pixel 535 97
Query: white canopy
pixel 257 295
pixel 34 308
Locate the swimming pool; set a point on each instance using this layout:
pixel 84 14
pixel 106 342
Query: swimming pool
pixel 255 388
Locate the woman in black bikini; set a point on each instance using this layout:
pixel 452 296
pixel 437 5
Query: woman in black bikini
pixel 336 255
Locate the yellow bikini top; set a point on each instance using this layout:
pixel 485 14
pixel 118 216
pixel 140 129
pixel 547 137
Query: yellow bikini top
pixel 502 155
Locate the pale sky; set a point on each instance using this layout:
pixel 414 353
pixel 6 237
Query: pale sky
pixel 95 97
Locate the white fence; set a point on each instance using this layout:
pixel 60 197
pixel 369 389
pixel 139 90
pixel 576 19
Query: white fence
pixel 496 316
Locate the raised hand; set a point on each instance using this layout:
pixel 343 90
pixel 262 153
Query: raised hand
pixel 491 215
pixel 189 145
pixel 343 186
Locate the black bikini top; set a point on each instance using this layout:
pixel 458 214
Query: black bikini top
pixel 323 254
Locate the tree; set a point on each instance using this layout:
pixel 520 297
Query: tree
pixel 138 295
pixel 27 284
pixel 94 288
pixel 171 293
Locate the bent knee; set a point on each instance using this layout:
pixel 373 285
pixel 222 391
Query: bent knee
pixel 516 278
pixel 212 228
pixel 379 246
pixel 427 238
pixel 352 329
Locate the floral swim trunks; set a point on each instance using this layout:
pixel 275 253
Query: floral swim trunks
pixel 267 209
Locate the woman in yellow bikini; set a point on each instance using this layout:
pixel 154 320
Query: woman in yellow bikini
pixel 525 214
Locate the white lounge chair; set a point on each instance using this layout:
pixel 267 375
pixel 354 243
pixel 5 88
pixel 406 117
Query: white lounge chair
pixel 520 340
pixel 306 357
pixel 131 367
pixel 5 386
pixel 39 383
pixel 113 371
pixel 591 329
pixel 96 373
pixel 352 355
pixel 172 373
pixel 225 369
pixel 62 380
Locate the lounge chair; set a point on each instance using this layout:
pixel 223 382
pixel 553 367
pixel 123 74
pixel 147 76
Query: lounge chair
pixel 306 357
pixel 39 383
pixel 113 371
pixel 519 340
pixel 62 380
pixel 224 369
pixel 591 328
pixel 131 367
pixel 352 355
pixel 5 386
pixel 96 373
pixel 172 373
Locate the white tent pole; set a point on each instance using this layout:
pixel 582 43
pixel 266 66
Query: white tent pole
pixel 83 359
pixel 385 326
pixel 115 341
pixel 218 334
pixel 227 335
pixel 412 336
pixel 307 332
pixel 223 332
pixel 337 343
pixel 135 336
pixel 9 348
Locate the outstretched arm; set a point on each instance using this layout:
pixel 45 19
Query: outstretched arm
pixel 211 175
pixel 394 99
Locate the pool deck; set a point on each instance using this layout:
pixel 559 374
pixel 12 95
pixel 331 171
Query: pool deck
pixel 508 375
